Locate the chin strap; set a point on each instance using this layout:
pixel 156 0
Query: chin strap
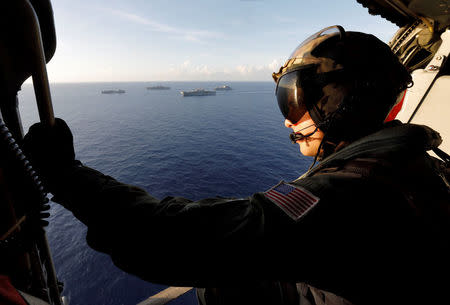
pixel 316 157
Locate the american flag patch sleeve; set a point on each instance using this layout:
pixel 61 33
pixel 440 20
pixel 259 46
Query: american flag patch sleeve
pixel 295 201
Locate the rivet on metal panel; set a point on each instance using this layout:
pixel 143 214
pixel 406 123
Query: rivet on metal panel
pixel 432 68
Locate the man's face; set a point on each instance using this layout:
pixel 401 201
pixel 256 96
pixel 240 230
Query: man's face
pixel 309 145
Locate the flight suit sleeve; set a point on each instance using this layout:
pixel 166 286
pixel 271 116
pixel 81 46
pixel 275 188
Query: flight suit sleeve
pixel 174 240
pixel 177 241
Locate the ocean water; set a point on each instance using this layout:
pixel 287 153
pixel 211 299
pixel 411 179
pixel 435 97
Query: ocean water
pixel 232 144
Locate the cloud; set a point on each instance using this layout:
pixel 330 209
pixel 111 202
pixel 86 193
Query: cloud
pixel 189 69
pixel 252 69
pixel 183 33
pixel 192 71
pixel 275 65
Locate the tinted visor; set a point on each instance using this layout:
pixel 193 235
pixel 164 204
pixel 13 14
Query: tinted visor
pixel 290 97
pixel 299 90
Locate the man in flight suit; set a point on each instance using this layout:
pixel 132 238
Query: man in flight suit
pixel 366 225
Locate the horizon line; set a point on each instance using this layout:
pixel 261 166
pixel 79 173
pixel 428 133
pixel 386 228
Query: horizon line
pixel 166 81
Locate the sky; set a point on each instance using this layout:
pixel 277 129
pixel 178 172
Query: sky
pixel 153 40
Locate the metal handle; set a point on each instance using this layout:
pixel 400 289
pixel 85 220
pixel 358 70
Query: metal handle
pixel 39 70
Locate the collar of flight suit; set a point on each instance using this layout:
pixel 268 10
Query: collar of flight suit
pixel 395 139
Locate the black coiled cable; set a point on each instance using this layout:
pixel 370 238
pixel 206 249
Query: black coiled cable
pixel 29 186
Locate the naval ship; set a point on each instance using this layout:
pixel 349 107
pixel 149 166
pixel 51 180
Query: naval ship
pixel 119 91
pixel 197 92
pixel 158 87
pixel 223 88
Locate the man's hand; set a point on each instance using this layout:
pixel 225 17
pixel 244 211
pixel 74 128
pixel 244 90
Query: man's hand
pixel 50 149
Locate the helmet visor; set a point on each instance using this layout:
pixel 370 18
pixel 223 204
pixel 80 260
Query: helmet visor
pixel 299 90
pixel 290 97
pixel 307 45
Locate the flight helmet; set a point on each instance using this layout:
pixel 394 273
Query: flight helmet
pixel 347 81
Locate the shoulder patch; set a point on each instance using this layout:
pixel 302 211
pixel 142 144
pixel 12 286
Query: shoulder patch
pixel 294 200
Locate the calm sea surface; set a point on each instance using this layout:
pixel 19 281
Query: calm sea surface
pixel 232 144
